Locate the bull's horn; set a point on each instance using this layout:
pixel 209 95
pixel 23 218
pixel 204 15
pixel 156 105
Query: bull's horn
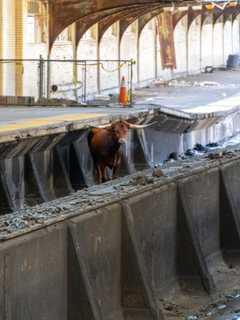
pixel 104 126
pixel 139 126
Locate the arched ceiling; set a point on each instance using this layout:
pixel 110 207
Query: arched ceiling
pixel 63 13
pixel 86 13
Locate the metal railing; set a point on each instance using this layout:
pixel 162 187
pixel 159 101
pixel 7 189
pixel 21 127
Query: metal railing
pixel 79 80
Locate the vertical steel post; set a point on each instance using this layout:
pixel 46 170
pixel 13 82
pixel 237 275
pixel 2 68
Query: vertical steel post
pixel 232 34
pixel 131 82
pixel 75 65
pixel 85 82
pixel 200 45
pixel 48 76
pixel 223 40
pixel 213 26
pixel 155 51
pixel 119 54
pixel 187 49
pixel 138 53
pixel 40 77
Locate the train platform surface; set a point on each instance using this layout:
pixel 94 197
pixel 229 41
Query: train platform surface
pixel 196 94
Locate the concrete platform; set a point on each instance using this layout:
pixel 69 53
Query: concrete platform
pixel 213 92
pixel 179 101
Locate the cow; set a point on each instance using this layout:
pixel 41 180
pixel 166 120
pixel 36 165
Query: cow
pixel 105 147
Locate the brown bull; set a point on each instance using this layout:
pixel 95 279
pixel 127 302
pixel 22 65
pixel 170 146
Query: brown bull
pixel 105 147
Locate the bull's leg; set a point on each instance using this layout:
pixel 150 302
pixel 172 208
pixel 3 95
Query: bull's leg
pixel 104 173
pixel 98 174
pixel 116 165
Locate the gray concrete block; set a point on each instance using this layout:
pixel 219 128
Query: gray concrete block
pixel 96 239
pixel 2 287
pixel 153 219
pixel 230 203
pixel 199 196
pixel 35 272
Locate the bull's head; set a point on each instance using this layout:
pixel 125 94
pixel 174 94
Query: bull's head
pixel 121 128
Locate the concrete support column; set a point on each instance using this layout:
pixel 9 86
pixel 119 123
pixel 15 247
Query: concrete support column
pixel 213 41
pixel 223 39
pixel 75 66
pixel 238 19
pixel 98 66
pixel 119 52
pixel 1 46
pixel 200 44
pixel 232 34
pixel 19 46
pixel 8 34
pixel 49 9
pixel 155 52
pixel 187 50
pixel 138 54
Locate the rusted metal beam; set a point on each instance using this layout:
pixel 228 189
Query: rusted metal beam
pixel 107 22
pixel 87 22
pixel 192 15
pixel 64 12
pixel 177 16
pixel 143 20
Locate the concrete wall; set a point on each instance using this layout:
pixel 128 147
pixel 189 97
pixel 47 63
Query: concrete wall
pixel 228 40
pixel 128 259
pixel 8 30
pixel 130 51
pixel 109 50
pixel 194 47
pixel 236 39
pixel 180 40
pixel 218 37
pixel 207 43
pixel 146 53
pixel 87 49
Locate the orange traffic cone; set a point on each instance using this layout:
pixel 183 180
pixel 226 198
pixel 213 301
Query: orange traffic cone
pixel 123 97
